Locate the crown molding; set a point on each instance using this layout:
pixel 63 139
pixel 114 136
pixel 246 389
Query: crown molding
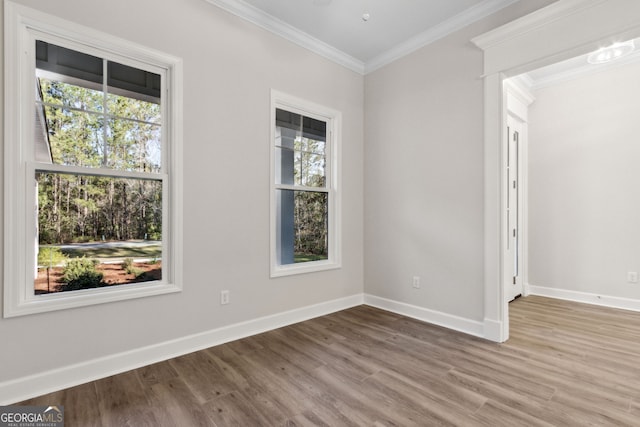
pixel 532 21
pixel 270 23
pixel 459 21
pixel 282 29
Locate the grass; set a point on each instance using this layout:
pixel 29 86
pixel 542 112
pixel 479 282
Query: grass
pixel 151 251
pixel 308 257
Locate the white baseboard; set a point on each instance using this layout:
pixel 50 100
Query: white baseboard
pixel 588 298
pixel 493 330
pixel 461 324
pixel 46 382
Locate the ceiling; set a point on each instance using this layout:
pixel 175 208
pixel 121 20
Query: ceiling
pixel 394 28
pixel 336 28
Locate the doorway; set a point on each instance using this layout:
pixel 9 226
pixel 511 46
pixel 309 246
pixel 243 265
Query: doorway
pixel 581 169
pixel 549 35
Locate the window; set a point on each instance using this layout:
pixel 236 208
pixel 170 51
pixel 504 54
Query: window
pixel 304 187
pixel 91 166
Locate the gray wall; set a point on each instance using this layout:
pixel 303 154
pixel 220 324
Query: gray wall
pixel 424 173
pixel 230 66
pixel 584 204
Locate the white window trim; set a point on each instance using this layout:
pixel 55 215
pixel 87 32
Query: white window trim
pixel 333 119
pixel 21 25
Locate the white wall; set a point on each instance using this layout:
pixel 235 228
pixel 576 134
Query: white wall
pixel 230 66
pixel 424 173
pixel 584 170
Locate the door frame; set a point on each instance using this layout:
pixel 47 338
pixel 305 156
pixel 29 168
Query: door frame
pixel 519 98
pixel 560 31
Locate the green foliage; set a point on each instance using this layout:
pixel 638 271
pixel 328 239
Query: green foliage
pixel 50 256
pixel 81 273
pixel 154 235
pixel 135 271
pixel 308 257
pixel 140 274
pixel 127 265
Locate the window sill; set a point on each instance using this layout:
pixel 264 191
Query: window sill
pixel 64 300
pixel 303 268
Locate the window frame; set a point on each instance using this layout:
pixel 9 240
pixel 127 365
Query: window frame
pixel 23 26
pixel 333 119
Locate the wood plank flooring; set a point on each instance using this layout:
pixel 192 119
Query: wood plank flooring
pixel 566 364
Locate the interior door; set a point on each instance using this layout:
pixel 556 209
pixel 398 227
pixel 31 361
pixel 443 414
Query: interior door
pixel 513 243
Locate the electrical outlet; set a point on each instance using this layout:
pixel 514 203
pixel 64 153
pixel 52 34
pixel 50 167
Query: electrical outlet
pixel 632 277
pixel 416 282
pixel 224 297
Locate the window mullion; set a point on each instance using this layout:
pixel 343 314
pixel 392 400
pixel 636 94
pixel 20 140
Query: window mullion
pixel 105 133
pixel 328 159
pixel 97 113
pixel 301 188
pixel 106 172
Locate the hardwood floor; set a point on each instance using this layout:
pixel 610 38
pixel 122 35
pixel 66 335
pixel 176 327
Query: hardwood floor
pixel 566 364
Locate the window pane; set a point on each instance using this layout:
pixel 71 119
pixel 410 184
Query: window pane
pixel 72 64
pixel 73 127
pixel 134 146
pixel 306 126
pixel 130 108
pixel 309 168
pixel 302 226
pixel 310 145
pixel 299 160
pixel 133 82
pixel 55 92
pixel 74 137
pixel 115 221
